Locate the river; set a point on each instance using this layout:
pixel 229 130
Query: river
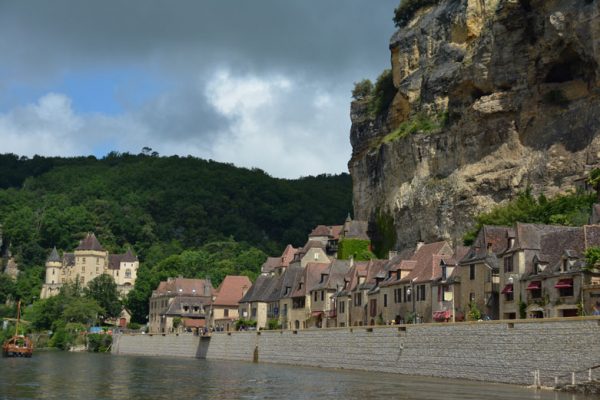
pixel 61 375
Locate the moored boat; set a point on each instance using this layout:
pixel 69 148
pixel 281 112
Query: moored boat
pixel 18 345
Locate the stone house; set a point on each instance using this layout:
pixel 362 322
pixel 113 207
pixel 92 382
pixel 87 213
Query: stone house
pixel 323 304
pixel 412 291
pixel 227 297
pixel 559 283
pixel 446 288
pixel 479 272
pixel 87 262
pixel 301 316
pixel 350 302
pixel 523 243
pixel 291 277
pixel 328 236
pixel 180 300
pixel 254 305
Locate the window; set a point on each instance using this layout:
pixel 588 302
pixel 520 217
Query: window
pixel 471 297
pixel 196 308
pixel 226 312
pixel 53 270
pixel 385 300
pixel 284 311
pixel 322 295
pixel 83 260
pixel 421 293
pixel 315 296
pixel 97 260
pixel 444 273
pixel 97 270
pixel 127 273
pixel 186 308
pixel 83 268
pixel 472 272
pixel 373 307
pixel 536 293
pixel 508 264
pixel 253 313
pixel 342 306
pixel 358 299
pixel 509 296
pixel 566 292
pixel 82 280
pixel 407 294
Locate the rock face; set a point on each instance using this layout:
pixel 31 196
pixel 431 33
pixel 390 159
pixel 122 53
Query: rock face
pixel 518 85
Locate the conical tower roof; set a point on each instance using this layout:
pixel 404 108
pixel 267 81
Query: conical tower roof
pixel 129 256
pixel 54 257
pixel 90 243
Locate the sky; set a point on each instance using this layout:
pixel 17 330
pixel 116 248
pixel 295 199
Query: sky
pixel 260 84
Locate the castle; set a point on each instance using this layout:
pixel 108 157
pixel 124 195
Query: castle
pixel 87 262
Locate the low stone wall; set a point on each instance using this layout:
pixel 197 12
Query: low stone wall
pixel 157 345
pixel 496 351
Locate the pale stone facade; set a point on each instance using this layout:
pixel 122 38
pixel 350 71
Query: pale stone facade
pixel 87 262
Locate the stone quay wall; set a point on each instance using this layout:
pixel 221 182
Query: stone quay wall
pixel 495 351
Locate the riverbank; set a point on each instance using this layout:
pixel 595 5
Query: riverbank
pixel 496 351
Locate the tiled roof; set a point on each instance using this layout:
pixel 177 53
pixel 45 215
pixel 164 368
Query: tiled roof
pixel 320 230
pixel 312 244
pixel 288 255
pixel 291 277
pixel 176 306
pixel 185 287
pixel 90 243
pixel 69 259
pixel 493 236
pixel 260 290
pixel 231 290
pixel 356 230
pixel 270 264
pixel 335 275
pixel 310 278
pixel 54 257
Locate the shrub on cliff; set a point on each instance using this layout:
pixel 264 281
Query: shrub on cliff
pixel 362 90
pixel 407 10
pixel 383 93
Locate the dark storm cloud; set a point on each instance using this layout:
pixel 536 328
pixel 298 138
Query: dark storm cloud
pixel 288 65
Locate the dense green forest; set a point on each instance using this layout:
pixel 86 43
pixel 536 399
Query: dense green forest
pixel 159 206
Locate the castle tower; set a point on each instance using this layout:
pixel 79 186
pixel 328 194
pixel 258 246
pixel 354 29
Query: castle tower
pixel 53 268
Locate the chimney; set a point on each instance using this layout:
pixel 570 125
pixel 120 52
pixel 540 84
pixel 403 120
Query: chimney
pixel 420 244
pixel 351 261
pixel 207 287
pixel 392 254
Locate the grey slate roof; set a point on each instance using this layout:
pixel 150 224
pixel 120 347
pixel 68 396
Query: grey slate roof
pixel 54 257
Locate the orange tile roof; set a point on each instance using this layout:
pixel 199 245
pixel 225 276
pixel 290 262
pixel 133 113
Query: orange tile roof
pixel 231 290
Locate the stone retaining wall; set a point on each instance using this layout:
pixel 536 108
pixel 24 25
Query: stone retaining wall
pixel 497 351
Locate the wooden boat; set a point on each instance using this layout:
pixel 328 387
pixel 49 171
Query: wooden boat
pixel 18 345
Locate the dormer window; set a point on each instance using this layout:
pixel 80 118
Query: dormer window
pixel 444 273
pixel 565 265
pixel 323 278
pixel 287 290
pixel 300 286
pixel 316 256
pixel 398 274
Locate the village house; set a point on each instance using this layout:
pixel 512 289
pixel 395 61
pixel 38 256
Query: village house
pixel 446 288
pixel 351 299
pixel 323 304
pixel 301 315
pixel 523 244
pixel 87 262
pixel 559 283
pixel 479 272
pixel 291 277
pixel 225 304
pixel 254 304
pixel 179 304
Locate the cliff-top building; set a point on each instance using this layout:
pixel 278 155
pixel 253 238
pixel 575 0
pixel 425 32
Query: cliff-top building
pixel 87 262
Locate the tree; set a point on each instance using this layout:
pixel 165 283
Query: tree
pixel 103 290
pixel 7 288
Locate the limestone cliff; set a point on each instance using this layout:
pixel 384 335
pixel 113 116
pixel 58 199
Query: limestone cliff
pixel 492 96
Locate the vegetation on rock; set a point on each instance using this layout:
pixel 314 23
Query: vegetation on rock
pixel 569 209
pixel 378 97
pixel 420 123
pixel 359 249
pixel 407 10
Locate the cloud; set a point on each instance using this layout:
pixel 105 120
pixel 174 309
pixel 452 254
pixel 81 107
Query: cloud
pixel 260 84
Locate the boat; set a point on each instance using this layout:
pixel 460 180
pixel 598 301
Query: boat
pixel 18 345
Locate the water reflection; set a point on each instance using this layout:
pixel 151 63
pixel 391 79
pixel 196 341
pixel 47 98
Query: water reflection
pixel 59 375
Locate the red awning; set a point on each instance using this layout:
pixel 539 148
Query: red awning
pixel 316 313
pixel 564 283
pixel 194 323
pixel 507 289
pixel 535 285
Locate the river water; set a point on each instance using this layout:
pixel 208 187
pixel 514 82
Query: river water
pixel 61 375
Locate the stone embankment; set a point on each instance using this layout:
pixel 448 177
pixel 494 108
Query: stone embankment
pixel 498 351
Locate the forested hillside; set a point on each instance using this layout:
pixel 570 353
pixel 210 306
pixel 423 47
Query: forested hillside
pixel 160 206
